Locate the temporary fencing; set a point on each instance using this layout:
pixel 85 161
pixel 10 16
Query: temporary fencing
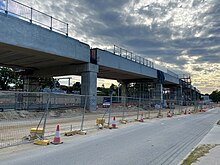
pixel 22 111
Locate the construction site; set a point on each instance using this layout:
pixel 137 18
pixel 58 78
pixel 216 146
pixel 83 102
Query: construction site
pixel 32 113
pixel 23 111
pixel 153 114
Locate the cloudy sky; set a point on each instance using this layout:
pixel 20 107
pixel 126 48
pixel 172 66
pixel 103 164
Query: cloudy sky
pixel 182 35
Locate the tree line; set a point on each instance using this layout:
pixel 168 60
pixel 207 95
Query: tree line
pixel 215 96
pixel 9 79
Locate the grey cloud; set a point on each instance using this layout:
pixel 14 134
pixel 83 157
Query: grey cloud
pixel 198 69
pixel 203 51
pixel 102 5
pixel 153 10
pixel 209 59
pixel 142 43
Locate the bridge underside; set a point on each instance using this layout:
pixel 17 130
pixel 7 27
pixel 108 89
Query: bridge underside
pixel 109 73
pixel 24 58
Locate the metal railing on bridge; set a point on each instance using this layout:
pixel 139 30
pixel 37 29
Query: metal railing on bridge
pixel 32 15
pixel 131 56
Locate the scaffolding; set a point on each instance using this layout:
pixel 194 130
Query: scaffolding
pixel 140 90
pixel 186 88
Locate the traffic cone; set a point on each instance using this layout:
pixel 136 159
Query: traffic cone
pixel 142 118
pixel 114 123
pixel 57 136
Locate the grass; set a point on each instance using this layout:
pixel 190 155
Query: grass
pixel 198 153
pixel 218 123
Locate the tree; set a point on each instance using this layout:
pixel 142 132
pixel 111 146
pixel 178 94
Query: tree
pixel 215 96
pixel 64 88
pixel 113 89
pixel 7 76
pixel 49 82
pixel 77 86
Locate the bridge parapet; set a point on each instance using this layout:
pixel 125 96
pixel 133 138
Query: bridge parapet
pixel 32 15
pixel 131 56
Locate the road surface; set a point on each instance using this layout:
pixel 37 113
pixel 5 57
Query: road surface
pixel 161 141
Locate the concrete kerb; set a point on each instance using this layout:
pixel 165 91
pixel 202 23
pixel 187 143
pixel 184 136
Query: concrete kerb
pixel 212 137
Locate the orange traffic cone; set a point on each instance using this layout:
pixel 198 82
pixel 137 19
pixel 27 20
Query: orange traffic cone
pixel 114 123
pixel 57 136
pixel 142 118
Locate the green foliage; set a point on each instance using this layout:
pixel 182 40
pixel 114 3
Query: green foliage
pixel 75 88
pixel 113 89
pixel 64 87
pixel 215 96
pixel 198 153
pixel 8 76
pixel 49 82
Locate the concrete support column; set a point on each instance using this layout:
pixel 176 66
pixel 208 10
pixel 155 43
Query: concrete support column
pixel 193 95
pixel 26 84
pixel 124 92
pixel 89 85
pixel 173 93
pixel 31 84
pixel 158 93
pixel 180 95
pixel 197 96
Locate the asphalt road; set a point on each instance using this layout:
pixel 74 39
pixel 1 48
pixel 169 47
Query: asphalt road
pixel 164 141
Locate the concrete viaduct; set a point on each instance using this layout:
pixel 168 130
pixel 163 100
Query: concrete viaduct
pixel 42 52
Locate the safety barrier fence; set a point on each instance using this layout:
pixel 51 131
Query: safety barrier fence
pixel 32 15
pixel 131 56
pixel 23 111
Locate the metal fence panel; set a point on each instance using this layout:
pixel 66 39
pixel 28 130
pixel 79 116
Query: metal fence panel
pixel 23 111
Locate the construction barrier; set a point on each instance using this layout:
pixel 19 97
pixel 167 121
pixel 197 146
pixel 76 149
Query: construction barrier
pixel 23 111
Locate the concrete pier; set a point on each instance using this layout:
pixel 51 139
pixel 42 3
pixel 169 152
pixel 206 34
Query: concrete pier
pixel 89 85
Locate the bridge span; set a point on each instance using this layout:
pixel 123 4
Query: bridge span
pixel 42 52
